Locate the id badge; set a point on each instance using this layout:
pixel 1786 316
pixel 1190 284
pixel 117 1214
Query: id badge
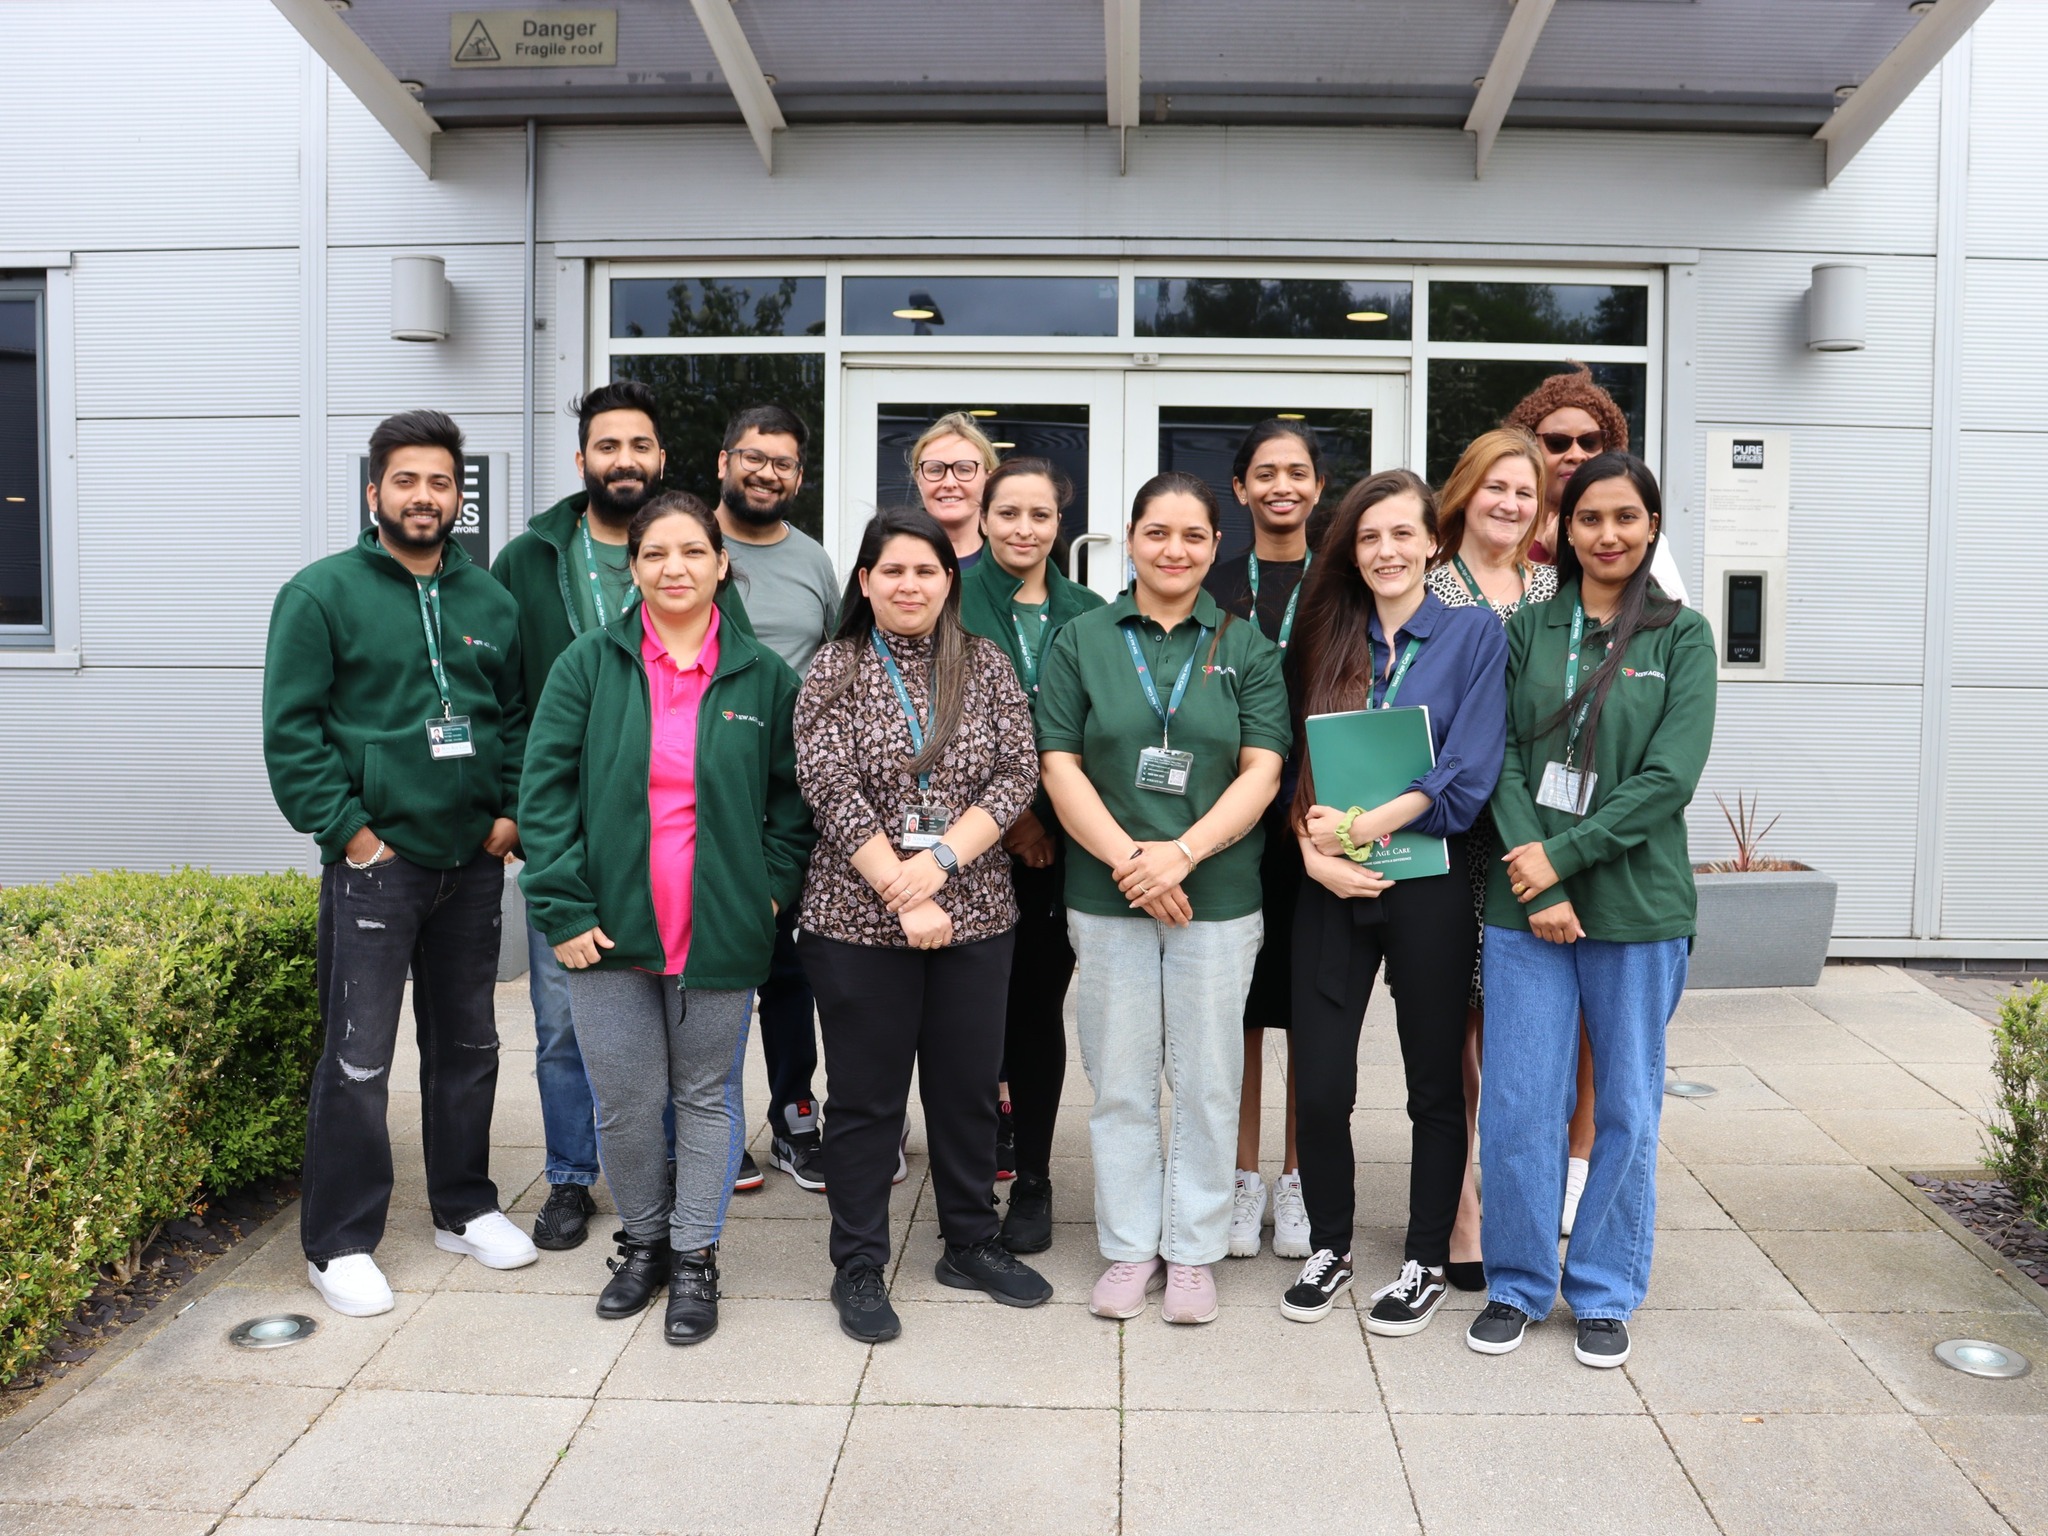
pixel 1164 770
pixel 924 826
pixel 1566 789
pixel 449 737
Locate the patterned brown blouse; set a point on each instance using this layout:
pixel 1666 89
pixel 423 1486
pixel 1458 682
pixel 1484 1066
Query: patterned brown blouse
pixel 849 756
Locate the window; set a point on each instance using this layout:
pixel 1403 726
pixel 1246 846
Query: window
pixel 1299 309
pixel 980 306
pixel 1595 314
pixel 1202 440
pixel 711 306
pixel 1468 397
pixel 24 520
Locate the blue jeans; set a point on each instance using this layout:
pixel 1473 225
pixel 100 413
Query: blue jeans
pixel 568 1115
pixel 1535 993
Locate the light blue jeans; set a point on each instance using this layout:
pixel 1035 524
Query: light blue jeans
pixel 1535 993
pixel 568 1118
pixel 1149 999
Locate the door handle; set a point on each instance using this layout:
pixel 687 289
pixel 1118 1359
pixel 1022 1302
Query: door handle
pixel 1080 544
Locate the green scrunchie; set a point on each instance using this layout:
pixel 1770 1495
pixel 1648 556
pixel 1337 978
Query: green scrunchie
pixel 1352 851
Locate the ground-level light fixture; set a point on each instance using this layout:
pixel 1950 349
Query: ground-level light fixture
pixel 272 1332
pixel 1686 1088
pixel 1366 316
pixel 1979 1357
pixel 1837 306
pixel 419 298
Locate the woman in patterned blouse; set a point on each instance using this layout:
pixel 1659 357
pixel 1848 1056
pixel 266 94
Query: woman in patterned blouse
pixel 914 749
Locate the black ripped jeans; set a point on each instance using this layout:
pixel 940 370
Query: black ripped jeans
pixel 442 924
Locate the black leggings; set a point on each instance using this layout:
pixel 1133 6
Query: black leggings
pixel 1423 930
pixel 1035 1039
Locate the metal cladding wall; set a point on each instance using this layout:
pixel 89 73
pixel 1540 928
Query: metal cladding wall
pixel 233 212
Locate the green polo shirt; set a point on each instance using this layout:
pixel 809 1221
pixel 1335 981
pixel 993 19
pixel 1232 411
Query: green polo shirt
pixel 1624 865
pixel 1090 702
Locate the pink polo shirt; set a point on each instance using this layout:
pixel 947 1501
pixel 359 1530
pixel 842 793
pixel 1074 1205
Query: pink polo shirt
pixel 673 695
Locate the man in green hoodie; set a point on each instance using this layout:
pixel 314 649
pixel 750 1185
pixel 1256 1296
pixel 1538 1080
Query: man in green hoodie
pixel 394 725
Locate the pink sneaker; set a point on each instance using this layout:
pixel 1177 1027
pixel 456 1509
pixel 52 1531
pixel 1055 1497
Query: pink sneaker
pixel 1190 1294
pixel 1122 1290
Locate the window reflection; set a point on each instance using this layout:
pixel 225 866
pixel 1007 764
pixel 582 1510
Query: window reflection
pixel 1056 432
pixel 980 306
pixel 1468 397
pixel 21 467
pixel 1202 440
pixel 718 306
pixel 1300 309
pixel 1588 314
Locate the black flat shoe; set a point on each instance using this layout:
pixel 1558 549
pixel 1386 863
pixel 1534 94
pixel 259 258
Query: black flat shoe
pixel 565 1220
pixel 1027 1223
pixel 1467 1276
pixel 863 1302
pixel 638 1272
pixel 692 1298
pixel 987 1267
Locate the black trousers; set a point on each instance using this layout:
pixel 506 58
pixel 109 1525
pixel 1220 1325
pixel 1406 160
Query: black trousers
pixel 1035 1038
pixel 789 1025
pixel 375 924
pixel 1423 930
pixel 882 1011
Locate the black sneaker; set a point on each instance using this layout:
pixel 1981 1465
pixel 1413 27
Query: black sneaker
pixel 1497 1330
pixel 565 1220
pixel 692 1297
pixel 638 1272
pixel 863 1302
pixel 1408 1304
pixel 749 1177
pixel 987 1267
pixel 798 1149
pixel 1027 1223
pixel 1323 1279
pixel 1602 1342
pixel 1006 1142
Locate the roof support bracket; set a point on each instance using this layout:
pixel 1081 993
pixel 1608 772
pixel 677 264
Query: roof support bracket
pixel 1504 77
pixel 365 75
pixel 750 87
pixel 1856 121
pixel 1120 49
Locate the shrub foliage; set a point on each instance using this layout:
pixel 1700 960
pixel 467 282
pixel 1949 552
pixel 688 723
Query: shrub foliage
pixel 2019 1135
pixel 157 1035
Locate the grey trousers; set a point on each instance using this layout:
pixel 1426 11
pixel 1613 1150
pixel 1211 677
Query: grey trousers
pixel 647 1042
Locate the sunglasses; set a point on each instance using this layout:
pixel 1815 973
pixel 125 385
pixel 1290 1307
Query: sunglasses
pixel 935 470
pixel 1561 442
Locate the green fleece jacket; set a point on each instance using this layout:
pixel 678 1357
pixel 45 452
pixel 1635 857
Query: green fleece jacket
pixel 584 821
pixel 347 693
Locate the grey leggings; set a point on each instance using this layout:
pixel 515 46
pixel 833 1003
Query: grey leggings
pixel 639 1031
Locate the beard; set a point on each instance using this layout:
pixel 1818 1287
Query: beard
pixel 618 506
pixel 393 527
pixel 734 499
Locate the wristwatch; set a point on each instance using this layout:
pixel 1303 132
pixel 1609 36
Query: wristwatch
pixel 945 858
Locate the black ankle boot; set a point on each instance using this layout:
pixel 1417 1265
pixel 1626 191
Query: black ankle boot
pixel 1027 1224
pixel 692 1297
pixel 638 1272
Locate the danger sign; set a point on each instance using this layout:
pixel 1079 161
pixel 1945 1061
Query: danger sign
pixel 533 39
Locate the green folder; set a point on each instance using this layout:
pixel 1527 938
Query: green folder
pixel 1366 757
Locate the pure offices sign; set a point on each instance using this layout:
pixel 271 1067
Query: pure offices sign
pixel 483 480
pixel 533 39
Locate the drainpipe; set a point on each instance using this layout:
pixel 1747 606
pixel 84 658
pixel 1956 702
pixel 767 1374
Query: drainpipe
pixel 526 349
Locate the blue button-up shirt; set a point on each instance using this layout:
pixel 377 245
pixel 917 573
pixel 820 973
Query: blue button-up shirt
pixel 1461 675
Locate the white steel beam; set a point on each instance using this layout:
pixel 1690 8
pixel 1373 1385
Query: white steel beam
pixel 1856 120
pixel 365 75
pixel 1504 77
pixel 1120 50
pixel 750 87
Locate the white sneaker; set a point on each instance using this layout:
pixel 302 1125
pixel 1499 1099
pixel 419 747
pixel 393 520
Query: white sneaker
pixel 352 1285
pixel 1575 1171
pixel 1290 1218
pixel 1247 1214
pixel 492 1241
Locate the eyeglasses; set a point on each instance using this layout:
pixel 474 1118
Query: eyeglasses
pixel 755 461
pixel 1561 442
pixel 935 470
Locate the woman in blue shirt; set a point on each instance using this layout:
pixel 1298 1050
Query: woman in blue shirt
pixel 1374 636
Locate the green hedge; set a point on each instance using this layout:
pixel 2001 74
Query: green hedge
pixel 2019 1134
pixel 157 1035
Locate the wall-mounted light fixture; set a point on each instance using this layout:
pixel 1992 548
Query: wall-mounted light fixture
pixel 419 298
pixel 1836 306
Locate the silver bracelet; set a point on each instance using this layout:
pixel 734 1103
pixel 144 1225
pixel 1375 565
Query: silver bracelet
pixel 1186 853
pixel 367 864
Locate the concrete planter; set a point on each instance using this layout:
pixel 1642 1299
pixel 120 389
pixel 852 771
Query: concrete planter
pixel 1762 930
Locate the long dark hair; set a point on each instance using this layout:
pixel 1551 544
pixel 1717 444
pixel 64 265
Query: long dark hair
pixel 1332 655
pixel 1062 497
pixel 1644 604
pixel 949 640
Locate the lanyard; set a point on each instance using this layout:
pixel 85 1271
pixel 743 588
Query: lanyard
pixel 590 570
pixel 1030 658
pixel 1251 571
pixel 924 780
pixel 1571 680
pixel 1401 671
pixel 1167 711
pixel 430 621
pixel 1472 582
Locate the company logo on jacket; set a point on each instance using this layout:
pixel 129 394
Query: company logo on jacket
pixel 1632 672
pixel 473 640
pixel 750 719
pixel 1220 671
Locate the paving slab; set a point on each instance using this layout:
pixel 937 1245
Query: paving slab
pixel 1250 1358
pixel 1766 1136
pixel 787 1260
pixel 566 1272
pixel 1690 1046
pixel 2002 1456
pixel 1715 1271
pixel 1735 1088
pixel 1748 1362
pixel 1967 1085
pixel 687 1468
pixel 1872 1474
pixel 995 1356
pixel 1888 1272
pixel 1587 1474
pixel 393 1456
pixel 78 1520
pixel 516 1345
pixel 1821 1044
pixel 1944 1137
pixel 243 1526
pixel 1866 1085
pixel 1810 1199
pixel 765 1351
pixel 193 1346
pixel 1683 1202
pixel 407 1256
pixel 1219 1474
pixel 109 1446
pixel 1436 1372
pixel 1899 1348
pixel 912 1468
pixel 1748 1008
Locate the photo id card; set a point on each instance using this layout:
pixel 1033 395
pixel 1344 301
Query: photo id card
pixel 925 826
pixel 1165 770
pixel 1566 789
pixel 449 737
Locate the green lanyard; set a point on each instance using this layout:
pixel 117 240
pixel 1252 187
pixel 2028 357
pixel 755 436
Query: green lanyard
pixel 1407 661
pixel 924 780
pixel 430 621
pixel 1168 710
pixel 1031 659
pixel 1472 583
pixel 590 571
pixel 1571 680
pixel 1251 571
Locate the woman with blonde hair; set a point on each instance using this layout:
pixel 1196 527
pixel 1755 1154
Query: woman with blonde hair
pixel 950 464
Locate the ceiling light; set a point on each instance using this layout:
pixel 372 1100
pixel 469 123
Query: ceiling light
pixel 1921 7
pixel 1002 445
pixel 913 314
pixel 1365 316
pixel 983 412
pixel 415 86
pixel 17 498
pixel 1290 416
pixel 1844 92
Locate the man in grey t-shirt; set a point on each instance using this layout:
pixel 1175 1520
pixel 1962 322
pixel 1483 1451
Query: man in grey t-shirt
pixel 792 598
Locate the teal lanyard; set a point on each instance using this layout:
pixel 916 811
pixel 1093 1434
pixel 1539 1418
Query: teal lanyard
pixel 1571 681
pixel 1029 664
pixel 1251 571
pixel 1401 671
pixel 924 780
pixel 604 616
pixel 1166 711
pixel 430 621
pixel 1472 583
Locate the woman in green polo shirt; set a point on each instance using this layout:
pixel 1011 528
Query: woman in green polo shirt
pixel 1589 910
pixel 1162 724
pixel 1019 598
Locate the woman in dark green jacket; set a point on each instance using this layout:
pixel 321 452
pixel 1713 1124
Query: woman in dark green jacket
pixel 1018 597
pixel 663 831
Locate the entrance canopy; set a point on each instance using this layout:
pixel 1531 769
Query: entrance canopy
pixel 1834 69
